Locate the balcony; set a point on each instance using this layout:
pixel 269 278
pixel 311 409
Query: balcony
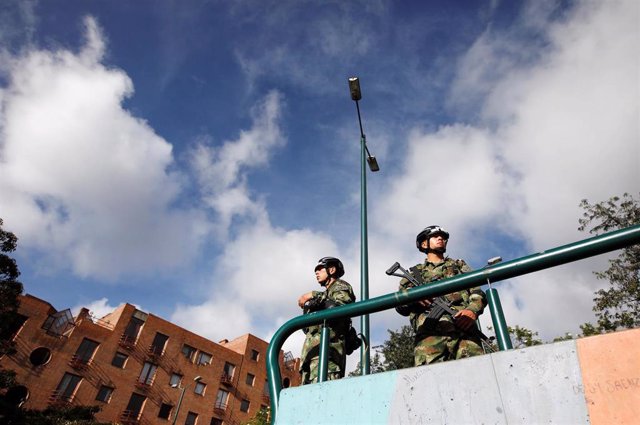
pixel 79 363
pixel 220 408
pixel 155 352
pixel 127 341
pixel 143 386
pixel 59 399
pixel 130 417
pixel 226 379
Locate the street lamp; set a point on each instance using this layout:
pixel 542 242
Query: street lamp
pixel 175 417
pixel 365 158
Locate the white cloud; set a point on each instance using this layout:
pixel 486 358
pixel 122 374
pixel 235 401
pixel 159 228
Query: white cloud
pixel 81 178
pixel 522 174
pixel 451 177
pixel 98 308
pixel 261 273
pixel 559 129
pixel 572 127
pixel 262 269
pixel 222 170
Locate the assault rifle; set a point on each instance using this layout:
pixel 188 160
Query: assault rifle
pixel 440 305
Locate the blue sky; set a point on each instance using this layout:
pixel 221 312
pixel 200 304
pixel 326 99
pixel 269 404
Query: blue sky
pixel 196 158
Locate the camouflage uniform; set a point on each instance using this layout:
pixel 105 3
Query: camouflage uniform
pixel 440 340
pixel 339 292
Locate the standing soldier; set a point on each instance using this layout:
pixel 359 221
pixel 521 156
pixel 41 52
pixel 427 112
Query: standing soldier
pixel 337 292
pixel 440 336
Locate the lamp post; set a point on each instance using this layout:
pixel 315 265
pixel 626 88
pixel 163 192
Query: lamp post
pixel 175 417
pixel 365 157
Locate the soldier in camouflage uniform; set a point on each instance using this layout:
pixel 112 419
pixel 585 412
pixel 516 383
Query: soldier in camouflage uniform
pixel 445 338
pixel 337 292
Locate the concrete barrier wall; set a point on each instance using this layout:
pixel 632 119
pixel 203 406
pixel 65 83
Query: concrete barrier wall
pixel 591 380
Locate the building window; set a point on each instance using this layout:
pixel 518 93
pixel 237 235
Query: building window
pixel 133 328
pixel 148 373
pixel 244 405
pixel 255 355
pixel 40 356
pixel 104 394
pixel 192 419
pixel 59 323
pixel 11 329
pixel 221 399
pixel 158 344
pixel 85 351
pixel 250 379
pixel 188 351
pixel 67 386
pixel 16 396
pixel 119 360
pixel 165 411
pixel 228 370
pixel 134 407
pixel 216 421
pixel 203 358
pixel 199 388
pixel 175 380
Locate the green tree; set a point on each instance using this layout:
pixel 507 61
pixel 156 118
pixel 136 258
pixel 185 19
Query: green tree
pixel 75 415
pixel 10 290
pixel 566 337
pixel 522 337
pixel 398 349
pixel 618 306
pixel 376 365
pixel 260 418
pixel 397 352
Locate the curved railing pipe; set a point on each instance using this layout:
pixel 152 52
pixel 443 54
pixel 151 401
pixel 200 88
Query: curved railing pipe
pixel 543 260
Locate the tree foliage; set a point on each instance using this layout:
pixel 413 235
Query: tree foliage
pixel 395 353
pixel 10 290
pixel 618 306
pixel 260 418
pixel 73 415
pixel 522 337
pixel 398 349
pixel 376 365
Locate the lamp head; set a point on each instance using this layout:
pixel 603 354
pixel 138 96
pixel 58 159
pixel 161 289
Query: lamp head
pixel 354 88
pixel 373 163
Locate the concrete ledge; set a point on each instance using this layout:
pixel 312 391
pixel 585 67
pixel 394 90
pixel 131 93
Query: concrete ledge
pixel 542 384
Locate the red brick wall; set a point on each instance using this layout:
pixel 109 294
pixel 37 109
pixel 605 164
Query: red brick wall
pixel 41 381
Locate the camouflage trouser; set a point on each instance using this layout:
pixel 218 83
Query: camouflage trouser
pixel 440 348
pixel 311 352
pixel 309 371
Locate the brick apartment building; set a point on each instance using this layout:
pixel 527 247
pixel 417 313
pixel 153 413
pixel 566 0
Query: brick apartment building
pixel 139 368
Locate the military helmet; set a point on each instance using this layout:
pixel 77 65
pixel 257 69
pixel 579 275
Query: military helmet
pixel 326 262
pixel 427 233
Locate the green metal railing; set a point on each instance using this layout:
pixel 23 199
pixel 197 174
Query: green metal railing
pixel 554 257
